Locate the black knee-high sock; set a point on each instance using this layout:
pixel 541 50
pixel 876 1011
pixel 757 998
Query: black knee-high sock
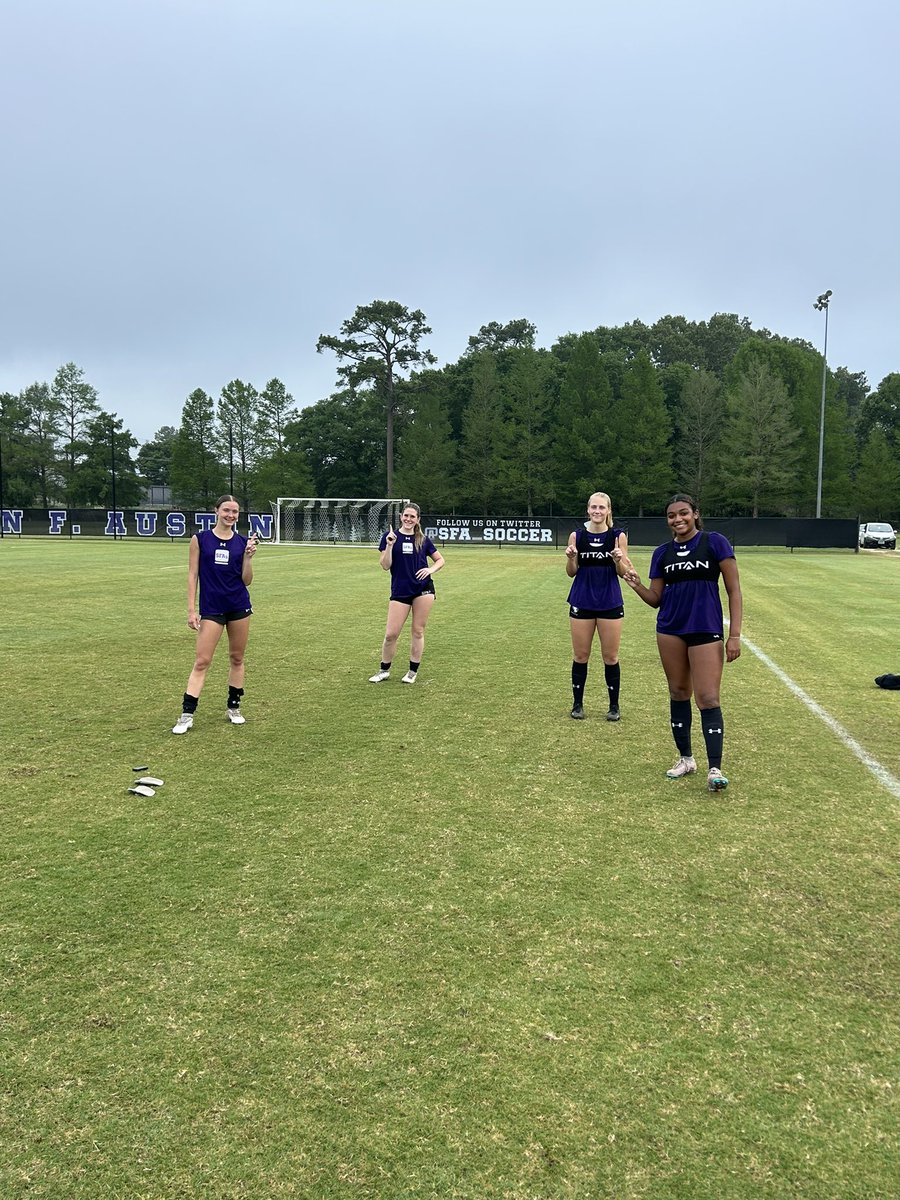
pixel 681 715
pixel 234 696
pixel 713 734
pixel 613 679
pixel 579 679
pixel 189 703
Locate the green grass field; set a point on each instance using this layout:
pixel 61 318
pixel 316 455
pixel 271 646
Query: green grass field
pixel 440 941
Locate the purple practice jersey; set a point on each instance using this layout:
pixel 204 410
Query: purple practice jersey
pixel 596 583
pixel 405 561
pixel 690 570
pixel 222 590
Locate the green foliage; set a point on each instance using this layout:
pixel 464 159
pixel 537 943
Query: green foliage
pixel 701 422
pixel 378 341
pixel 530 431
pixel 525 466
pixel 799 368
pixel 341 440
pixel 76 402
pixel 583 437
pixel 106 465
pixel 240 432
pixel 19 481
pixel 483 440
pixel 759 452
pixel 198 476
pixel 881 410
pixel 878 479
pixel 154 459
pixel 643 463
pixel 495 337
pixel 426 468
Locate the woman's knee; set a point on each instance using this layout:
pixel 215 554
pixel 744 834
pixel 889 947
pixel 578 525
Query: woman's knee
pixel 679 693
pixel 708 699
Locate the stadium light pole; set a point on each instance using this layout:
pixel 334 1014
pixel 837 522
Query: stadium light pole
pixel 820 304
pixel 230 461
pixel 112 452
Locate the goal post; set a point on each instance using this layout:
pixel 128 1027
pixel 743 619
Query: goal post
pixel 329 520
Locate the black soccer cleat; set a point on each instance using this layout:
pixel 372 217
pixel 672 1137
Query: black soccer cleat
pixel 614 714
pixel 577 713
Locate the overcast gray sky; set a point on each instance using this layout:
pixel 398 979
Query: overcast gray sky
pixel 194 190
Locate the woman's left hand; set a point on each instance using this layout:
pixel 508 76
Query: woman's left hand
pixel 251 547
pixel 732 647
pixel 423 573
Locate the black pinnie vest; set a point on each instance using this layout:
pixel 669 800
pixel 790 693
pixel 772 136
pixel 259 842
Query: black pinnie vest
pixel 595 557
pixel 679 565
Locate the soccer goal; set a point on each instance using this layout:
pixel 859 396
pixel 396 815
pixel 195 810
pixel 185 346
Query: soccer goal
pixel 341 522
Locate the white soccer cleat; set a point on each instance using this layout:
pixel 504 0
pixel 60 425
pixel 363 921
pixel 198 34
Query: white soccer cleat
pixel 379 677
pixel 184 723
pixel 235 716
pixel 715 780
pixel 685 766
pixel 409 677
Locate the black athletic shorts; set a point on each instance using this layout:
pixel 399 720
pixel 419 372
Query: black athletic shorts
pixel 226 618
pixel 428 590
pixel 594 614
pixel 696 639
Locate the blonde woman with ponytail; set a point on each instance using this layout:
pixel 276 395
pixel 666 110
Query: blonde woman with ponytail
pixel 405 553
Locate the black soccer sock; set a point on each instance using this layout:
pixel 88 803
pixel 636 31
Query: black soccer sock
pixel 413 666
pixel 713 734
pixel 613 679
pixel 234 696
pixel 681 716
pixel 579 679
pixel 189 703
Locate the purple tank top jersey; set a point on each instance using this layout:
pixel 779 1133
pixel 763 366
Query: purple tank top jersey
pixel 222 590
pixel 691 602
pixel 405 561
pixel 596 584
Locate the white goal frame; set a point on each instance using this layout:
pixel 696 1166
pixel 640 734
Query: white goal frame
pixel 330 520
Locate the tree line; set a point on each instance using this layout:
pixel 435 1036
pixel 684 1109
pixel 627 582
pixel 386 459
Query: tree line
pixel 715 408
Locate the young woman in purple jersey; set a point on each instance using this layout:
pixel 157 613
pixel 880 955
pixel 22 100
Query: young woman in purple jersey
pixel 221 561
pixel 405 554
pixel 596 556
pixel 684 586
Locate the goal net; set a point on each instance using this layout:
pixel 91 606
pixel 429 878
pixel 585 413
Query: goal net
pixel 341 522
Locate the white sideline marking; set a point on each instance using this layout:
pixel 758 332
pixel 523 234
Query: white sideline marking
pixel 881 773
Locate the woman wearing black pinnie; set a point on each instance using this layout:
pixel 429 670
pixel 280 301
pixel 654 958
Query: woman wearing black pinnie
pixel 684 586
